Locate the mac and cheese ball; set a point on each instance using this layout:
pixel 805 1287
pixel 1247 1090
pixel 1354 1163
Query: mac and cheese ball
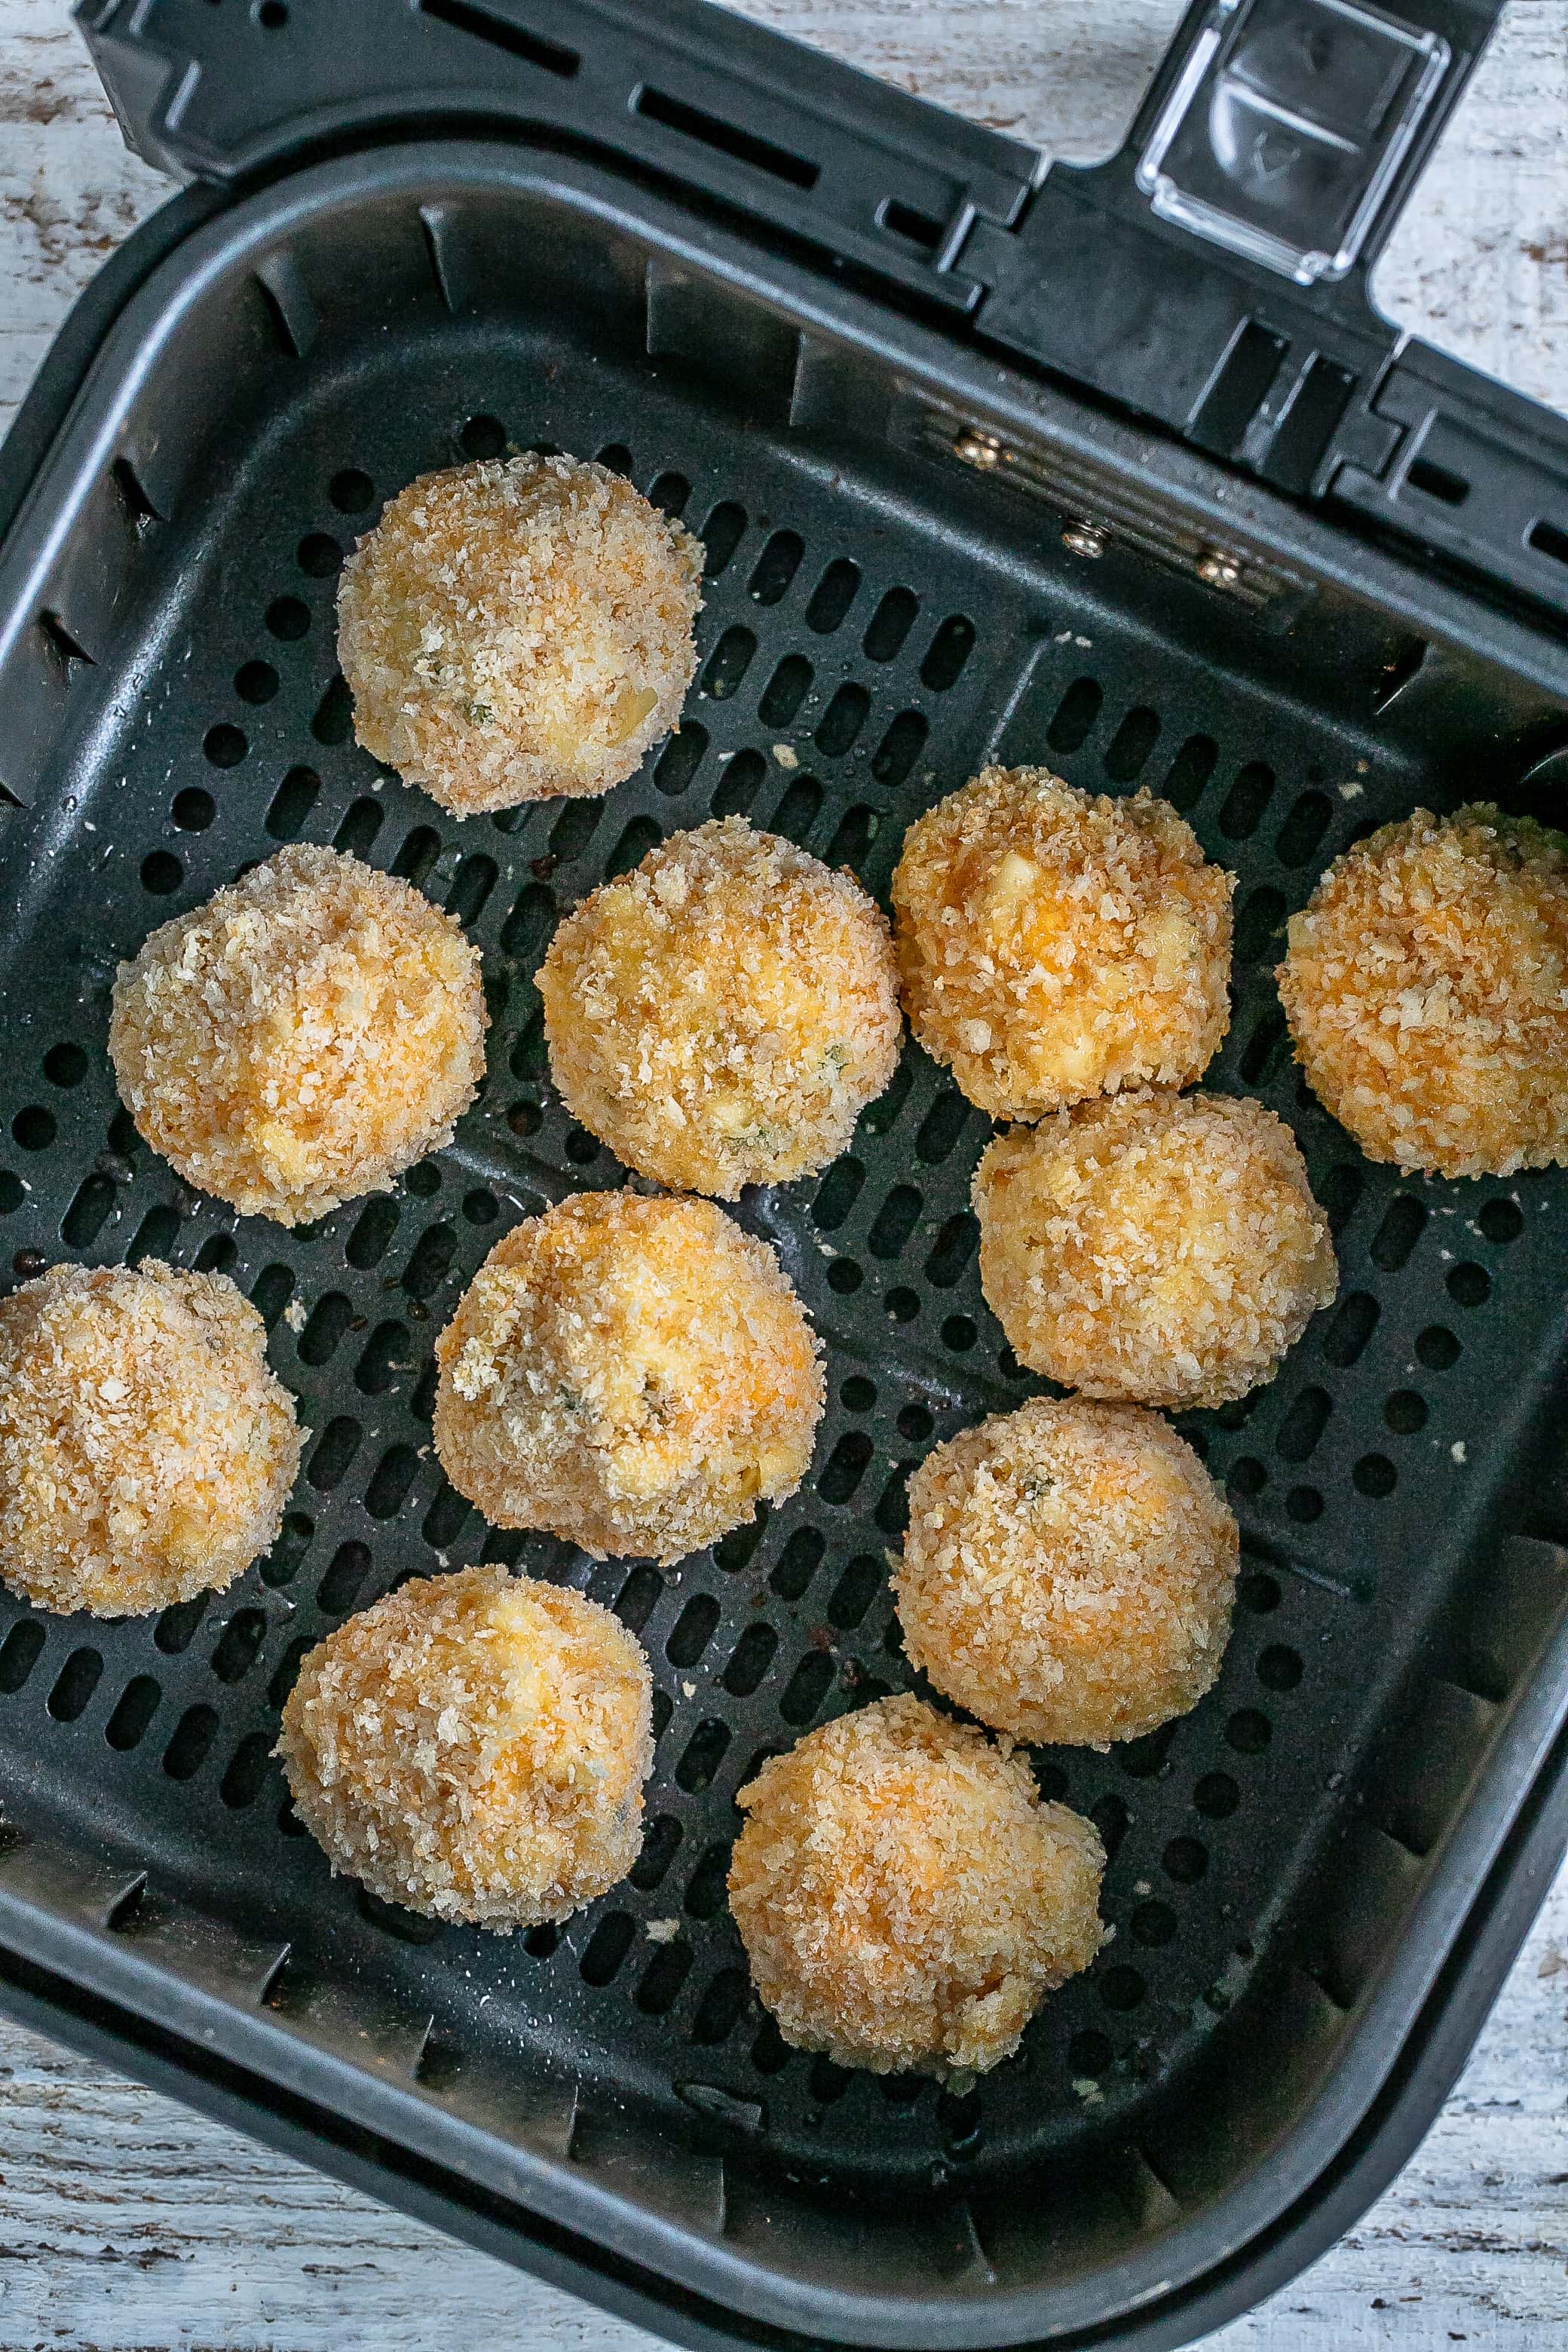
pixel 146 1450
pixel 474 1747
pixel 302 1038
pixel 632 1375
pixel 1069 1573
pixel 904 1897
pixel 1152 1248
pixel 722 1016
pixel 1055 945
pixel 1427 988
pixel 517 628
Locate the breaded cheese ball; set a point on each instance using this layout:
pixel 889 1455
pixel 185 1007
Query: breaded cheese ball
pixel 146 1450
pixel 904 1897
pixel 474 1747
pixel 722 1016
pixel 633 1375
pixel 1055 945
pixel 1427 989
pixel 302 1038
pixel 1152 1248
pixel 517 628
pixel 1069 1573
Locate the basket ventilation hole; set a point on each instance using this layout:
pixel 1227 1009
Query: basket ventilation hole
pixel 1128 750
pixel 1397 1235
pixel 899 748
pixel 806 1687
pixel 786 691
pixel 351 492
pixel 775 567
pixel 1242 811
pixel 738 786
pixel 359 829
pixel 192 1736
pixel 194 810
pixel 1216 1796
pixel 797 1563
pixel 692 1631
pixel 705 1889
pixel 239 1645
pixel 607 1947
pixel 287 618
pixel 889 625
pixel 1304 828
pixel 950 650
pixel 702 1755
pixel 832 596
pixel 1075 715
pixel 721 534
pixel 638 1597
pixel 246 1771
pixel 132 1713
pixel 660 1844
pixel 750 1660
pixel 722 2007
pixel 680 758
pixel 483 436
pixel 74 1684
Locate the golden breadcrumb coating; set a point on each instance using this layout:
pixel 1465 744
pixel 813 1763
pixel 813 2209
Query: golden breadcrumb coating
pixel 302 1038
pixel 1054 945
pixel 634 1375
pixel 722 1016
pixel 903 1895
pixel 1152 1248
pixel 1427 989
pixel 474 1747
pixel 146 1450
pixel 1069 1573
pixel 517 627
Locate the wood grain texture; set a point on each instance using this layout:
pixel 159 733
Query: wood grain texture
pixel 128 2224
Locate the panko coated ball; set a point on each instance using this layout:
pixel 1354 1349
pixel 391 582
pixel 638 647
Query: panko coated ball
pixel 304 1037
pixel 474 1747
pixel 517 628
pixel 1069 1573
pixel 1055 945
pixel 904 1897
pixel 1427 989
pixel 1152 1248
pixel 146 1450
pixel 632 1375
pixel 722 1016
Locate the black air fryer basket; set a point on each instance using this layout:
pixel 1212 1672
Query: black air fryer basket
pixel 1115 470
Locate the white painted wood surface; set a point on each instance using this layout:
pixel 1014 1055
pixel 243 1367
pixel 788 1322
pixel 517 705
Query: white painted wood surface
pixel 125 2221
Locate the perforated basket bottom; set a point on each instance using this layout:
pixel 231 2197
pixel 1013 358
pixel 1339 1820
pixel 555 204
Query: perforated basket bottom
pixel 854 666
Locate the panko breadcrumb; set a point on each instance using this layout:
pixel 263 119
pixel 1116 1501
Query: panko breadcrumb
pixel 1152 1248
pixel 302 1038
pixel 1069 1573
pixel 1054 945
pixel 146 1450
pixel 904 1897
pixel 474 1747
pixel 1427 989
pixel 517 627
pixel 634 1375
pixel 722 1016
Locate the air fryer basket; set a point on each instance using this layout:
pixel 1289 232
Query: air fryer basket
pixel 1292 1867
